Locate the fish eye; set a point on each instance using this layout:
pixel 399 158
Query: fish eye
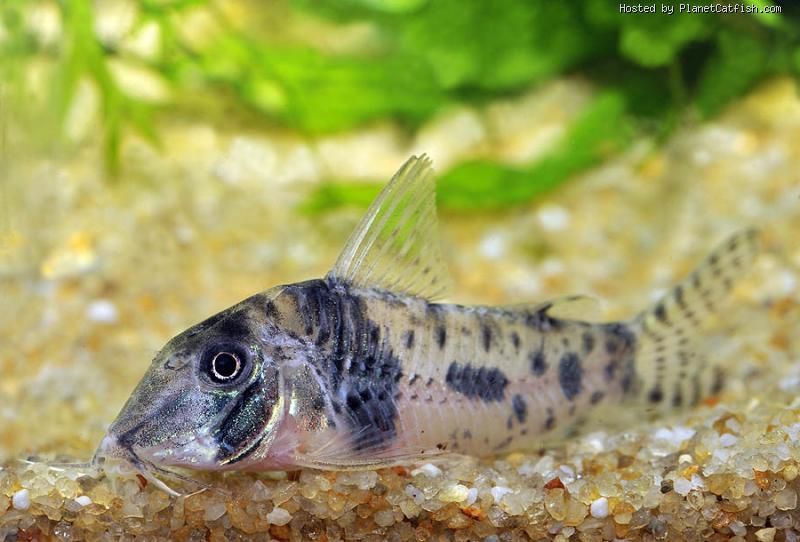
pixel 224 365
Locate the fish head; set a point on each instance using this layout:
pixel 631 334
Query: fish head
pixel 211 397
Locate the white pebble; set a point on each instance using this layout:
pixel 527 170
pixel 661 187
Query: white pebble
pixel 738 528
pixel 103 311
pixel 428 469
pixel 682 486
pixel 279 516
pixel 83 500
pixel 662 433
pixel 493 246
pixel 728 440
pixel 683 433
pixel 472 496
pixel 553 217
pixel 454 493
pixel 384 518
pixel 567 473
pixel 498 492
pixel 599 508
pixel 416 494
pixel 21 500
pixel 214 511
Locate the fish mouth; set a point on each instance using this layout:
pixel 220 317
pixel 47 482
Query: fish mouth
pixel 111 448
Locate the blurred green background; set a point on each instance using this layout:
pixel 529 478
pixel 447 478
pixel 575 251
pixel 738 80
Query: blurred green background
pixel 317 68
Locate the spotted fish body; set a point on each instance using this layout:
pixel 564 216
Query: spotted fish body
pixel 362 368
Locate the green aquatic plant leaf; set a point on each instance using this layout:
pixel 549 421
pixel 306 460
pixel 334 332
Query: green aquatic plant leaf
pixel 318 93
pixel 602 130
pixel 497 45
pixel 334 194
pixel 657 39
pixel 737 64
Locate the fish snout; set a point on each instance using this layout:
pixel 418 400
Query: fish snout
pixel 112 455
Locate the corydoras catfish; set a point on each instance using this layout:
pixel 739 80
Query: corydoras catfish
pixel 363 369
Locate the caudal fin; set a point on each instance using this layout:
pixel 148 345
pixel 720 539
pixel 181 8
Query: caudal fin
pixel 671 372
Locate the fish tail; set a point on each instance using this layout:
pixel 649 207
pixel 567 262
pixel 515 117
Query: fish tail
pixel 671 370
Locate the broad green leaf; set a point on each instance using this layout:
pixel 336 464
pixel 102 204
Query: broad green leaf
pixel 738 62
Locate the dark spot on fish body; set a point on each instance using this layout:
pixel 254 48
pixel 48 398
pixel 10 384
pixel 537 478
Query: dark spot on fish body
pixel 504 443
pixel 656 394
pixel 538 362
pixel 272 312
pixel 534 320
pixel 520 408
pixel 718 382
pixel 354 400
pixel 696 390
pixel 619 338
pixel 628 380
pixel 588 342
pixel 441 336
pixel 597 396
pixel 727 283
pixel 610 370
pixel 487 384
pixel 515 340
pixel 678 296
pixel 550 421
pixel 570 375
pixel 413 380
pixel 677 397
pixel 309 299
pixel 486 337
pixel 374 334
pixel 409 339
pixel 509 423
pixel 234 325
pixel 372 413
pixel 661 313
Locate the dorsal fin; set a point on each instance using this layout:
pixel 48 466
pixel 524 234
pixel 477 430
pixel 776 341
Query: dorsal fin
pixel 396 245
